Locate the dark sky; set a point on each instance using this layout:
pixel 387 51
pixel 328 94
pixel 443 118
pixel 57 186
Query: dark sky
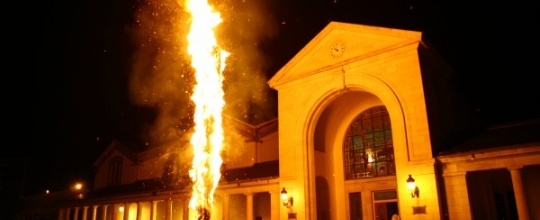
pixel 78 74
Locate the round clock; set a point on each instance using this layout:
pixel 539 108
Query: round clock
pixel 337 49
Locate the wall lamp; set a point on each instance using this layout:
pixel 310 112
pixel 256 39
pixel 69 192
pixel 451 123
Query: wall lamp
pixel 412 187
pixel 287 201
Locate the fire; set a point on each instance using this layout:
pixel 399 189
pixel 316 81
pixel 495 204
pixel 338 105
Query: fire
pixel 208 60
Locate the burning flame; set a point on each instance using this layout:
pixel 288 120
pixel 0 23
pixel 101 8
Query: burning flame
pixel 208 61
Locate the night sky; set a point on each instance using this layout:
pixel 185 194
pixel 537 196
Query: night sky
pixel 78 74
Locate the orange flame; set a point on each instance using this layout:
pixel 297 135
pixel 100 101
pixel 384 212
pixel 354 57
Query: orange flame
pixel 208 61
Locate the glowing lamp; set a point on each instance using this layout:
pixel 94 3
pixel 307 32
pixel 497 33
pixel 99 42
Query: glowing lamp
pixel 287 201
pixel 412 187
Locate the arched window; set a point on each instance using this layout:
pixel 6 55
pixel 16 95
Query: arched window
pixel 367 149
pixel 115 171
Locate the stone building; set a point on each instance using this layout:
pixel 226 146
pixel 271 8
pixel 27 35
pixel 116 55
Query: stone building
pixel 362 111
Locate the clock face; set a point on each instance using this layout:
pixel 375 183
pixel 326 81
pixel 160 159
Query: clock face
pixel 337 49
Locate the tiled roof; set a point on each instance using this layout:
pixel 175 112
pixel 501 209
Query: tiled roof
pixel 263 170
pixel 139 186
pixel 506 135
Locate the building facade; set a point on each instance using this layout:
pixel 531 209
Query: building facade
pixel 362 111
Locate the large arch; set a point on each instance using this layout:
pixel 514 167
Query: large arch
pixel 330 117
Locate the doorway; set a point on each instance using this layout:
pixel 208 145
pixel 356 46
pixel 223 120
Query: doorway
pixel 385 204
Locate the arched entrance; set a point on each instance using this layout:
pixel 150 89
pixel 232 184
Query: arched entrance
pixel 355 197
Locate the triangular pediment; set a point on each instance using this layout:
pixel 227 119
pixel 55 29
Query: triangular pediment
pixel 114 147
pixel 357 41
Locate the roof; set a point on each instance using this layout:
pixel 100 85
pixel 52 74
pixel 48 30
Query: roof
pixel 140 186
pixel 509 135
pixel 255 132
pixel 265 170
pixel 113 147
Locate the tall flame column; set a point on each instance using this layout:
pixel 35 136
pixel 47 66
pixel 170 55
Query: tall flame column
pixel 208 60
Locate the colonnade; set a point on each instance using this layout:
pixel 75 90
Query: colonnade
pixel 170 209
pixel 457 194
pixel 115 211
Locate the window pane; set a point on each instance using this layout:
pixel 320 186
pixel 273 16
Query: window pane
pixel 368 145
pixel 385 195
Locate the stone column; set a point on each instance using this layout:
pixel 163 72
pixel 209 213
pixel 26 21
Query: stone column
pixel 94 212
pixel 275 204
pixel 84 212
pixel 61 213
pixel 115 211
pixel 126 211
pixel 153 210
pixel 168 208
pixel 76 213
pixel 457 195
pixel 249 207
pixel 185 207
pixel 226 203
pixel 104 217
pixel 519 194
pixel 68 214
pixel 139 211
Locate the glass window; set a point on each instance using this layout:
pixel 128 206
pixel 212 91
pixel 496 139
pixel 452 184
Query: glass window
pixel 367 149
